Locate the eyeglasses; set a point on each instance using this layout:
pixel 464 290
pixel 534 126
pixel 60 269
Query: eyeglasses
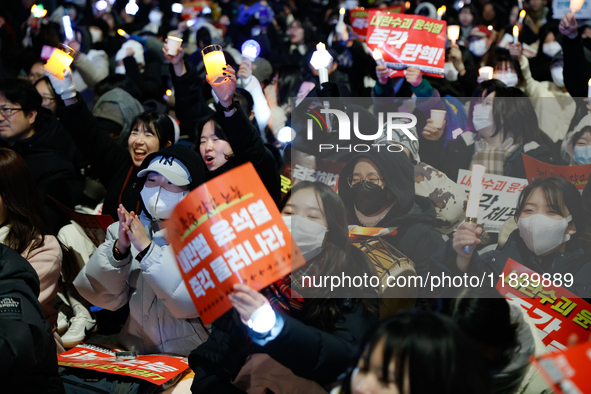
pixel 47 98
pixel 8 112
pixel 372 181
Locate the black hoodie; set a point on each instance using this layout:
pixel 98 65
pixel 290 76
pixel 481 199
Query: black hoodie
pixel 412 215
pixel 28 356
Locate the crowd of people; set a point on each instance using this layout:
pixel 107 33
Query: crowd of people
pixel 129 129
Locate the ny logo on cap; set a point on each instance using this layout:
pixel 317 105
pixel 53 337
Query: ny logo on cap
pixel 168 161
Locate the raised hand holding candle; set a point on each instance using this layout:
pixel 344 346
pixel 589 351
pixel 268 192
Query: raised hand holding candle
pixel 576 5
pixel 521 16
pixel 321 61
pixel 60 60
pixel 474 198
pixel 214 60
pixel 453 33
pixel 378 57
pixel 440 12
pixel 515 34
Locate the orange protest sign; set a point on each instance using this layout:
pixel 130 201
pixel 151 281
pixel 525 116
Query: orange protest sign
pixel 556 312
pixel 157 369
pixel 577 175
pixel 408 41
pixel 360 21
pixel 229 231
pixel 567 372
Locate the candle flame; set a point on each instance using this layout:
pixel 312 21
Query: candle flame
pixel 589 83
pixel 407 5
pixel 168 92
pixel 441 10
pixel 522 14
pixel 377 55
pixel 515 31
pixel 490 27
pixel 321 47
pixel 453 32
pixel 121 32
pixel 342 11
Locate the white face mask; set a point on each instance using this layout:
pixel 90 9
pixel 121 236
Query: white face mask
pixel 481 118
pixel 450 72
pixel 120 70
pixel 307 234
pixel 558 76
pixel 541 234
pixel 510 79
pixel 478 48
pixel 155 17
pixel 552 48
pixel 583 154
pixel 160 202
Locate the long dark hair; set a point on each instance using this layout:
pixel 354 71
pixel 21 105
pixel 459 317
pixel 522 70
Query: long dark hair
pixel 25 210
pixel 559 194
pixel 160 124
pixel 338 257
pixel 415 341
pixel 289 79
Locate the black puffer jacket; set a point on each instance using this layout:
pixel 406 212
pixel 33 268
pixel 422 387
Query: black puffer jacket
pixel 28 361
pixel 412 215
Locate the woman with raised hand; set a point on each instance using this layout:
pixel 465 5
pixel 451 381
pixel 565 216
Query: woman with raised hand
pixel 136 263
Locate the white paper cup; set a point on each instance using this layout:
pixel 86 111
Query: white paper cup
pixel 438 117
pixel 174 43
pixel 486 72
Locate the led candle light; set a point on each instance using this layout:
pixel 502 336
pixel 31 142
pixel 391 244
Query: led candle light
pixel 515 34
pixel 474 198
pixel 60 60
pixel 486 72
pixel 321 61
pixel 68 27
pixel 378 57
pixel 453 33
pixel 440 12
pixel 174 43
pixel 122 33
pixel 490 28
pixel 214 60
pixel 177 8
pixel 576 5
pixel 521 16
pixel 251 50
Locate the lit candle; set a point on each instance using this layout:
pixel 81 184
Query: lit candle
pixel 490 27
pixel 321 60
pixel 589 89
pixel 440 12
pixel 474 198
pixel 214 60
pixel 521 16
pixel 515 34
pixel 407 5
pixel 122 33
pixel 341 15
pixel 486 72
pixel 58 62
pixel 378 57
pixel 576 5
pixel 453 33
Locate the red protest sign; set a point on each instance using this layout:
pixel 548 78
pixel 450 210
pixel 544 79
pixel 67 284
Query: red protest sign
pixel 191 9
pixel 408 41
pixel 360 22
pixel 230 231
pixel 300 166
pixel 556 312
pixel 577 175
pixel 157 369
pixel 94 226
pixel 567 372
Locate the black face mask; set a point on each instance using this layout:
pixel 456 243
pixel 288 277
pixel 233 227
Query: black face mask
pixel 369 200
